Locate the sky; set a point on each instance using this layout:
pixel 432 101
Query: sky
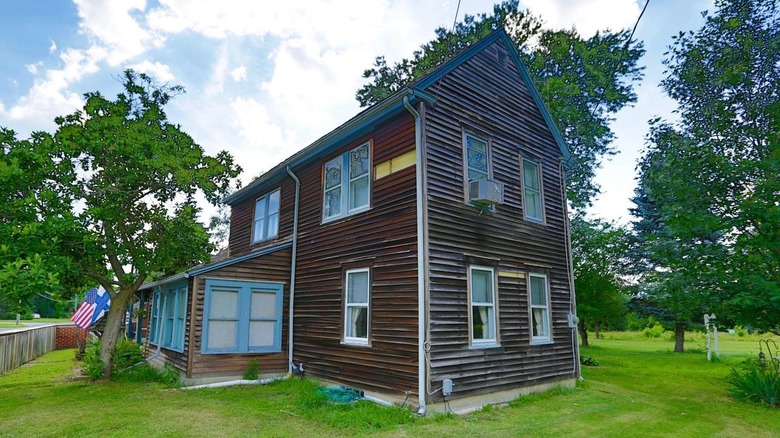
pixel 264 79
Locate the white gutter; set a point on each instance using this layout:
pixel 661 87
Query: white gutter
pixel 570 259
pixel 421 277
pixel 293 260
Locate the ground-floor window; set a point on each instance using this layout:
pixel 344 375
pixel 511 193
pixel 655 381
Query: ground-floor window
pixel 482 299
pixel 356 306
pixel 540 307
pixel 169 313
pixel 242 317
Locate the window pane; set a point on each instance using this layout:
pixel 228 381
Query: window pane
pixel 357 287
pixel 533 205
pixel 357 322
pixel 483 322
pixel 273 202
pixel 333 202
pixel 222 335
pixel 540 326
pixel 333 173
pixel 223 304
pixel 477 154
pixel 538 291
pixel 531 175
pixel 475 175
pixel 481 286
pixel 273 225
pixel 263 305
pixel 358 193
pixel 358 161
pixel 259 224
pixel 261 333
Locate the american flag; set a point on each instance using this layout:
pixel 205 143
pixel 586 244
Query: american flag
pixel 92 308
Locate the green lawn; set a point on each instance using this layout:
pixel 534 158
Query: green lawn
pixel 641 388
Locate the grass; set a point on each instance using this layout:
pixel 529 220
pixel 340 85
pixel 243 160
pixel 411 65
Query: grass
pixel 641 388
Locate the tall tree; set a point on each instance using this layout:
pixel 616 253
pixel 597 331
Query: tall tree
pixel 584 82
pixel 716 186
pixel 600 252
pixel 121 203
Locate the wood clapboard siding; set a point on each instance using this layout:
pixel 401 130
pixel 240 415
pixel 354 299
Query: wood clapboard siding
pixel 274 267
pixel 384 239
pixel 487 97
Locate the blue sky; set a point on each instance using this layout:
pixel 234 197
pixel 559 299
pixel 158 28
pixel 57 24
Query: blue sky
pixel 264 79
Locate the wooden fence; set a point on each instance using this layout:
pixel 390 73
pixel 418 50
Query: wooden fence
pixel 21 346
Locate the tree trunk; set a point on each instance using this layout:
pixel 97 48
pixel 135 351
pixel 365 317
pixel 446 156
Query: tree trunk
pixel 113 329
pixel 679 336
pixel 583 333
pixel 596 329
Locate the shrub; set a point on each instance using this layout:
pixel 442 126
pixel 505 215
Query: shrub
pixel 128 364
pixel 252 370
pixel 654 332
pixel 757 382
pixel 589 361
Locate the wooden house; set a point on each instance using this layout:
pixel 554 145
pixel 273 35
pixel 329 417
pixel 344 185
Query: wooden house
pixel 419 251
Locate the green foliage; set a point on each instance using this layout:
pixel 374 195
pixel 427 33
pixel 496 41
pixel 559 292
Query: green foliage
pixel 252 370
pixel 589 361
pixel 127 363
pixel 710 222
pixel 583 81
pixel 756 382
pixel 656 331
pixel 109 198
pixel 94 367
pixel 599 251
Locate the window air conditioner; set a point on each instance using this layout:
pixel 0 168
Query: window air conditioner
pixel 486 192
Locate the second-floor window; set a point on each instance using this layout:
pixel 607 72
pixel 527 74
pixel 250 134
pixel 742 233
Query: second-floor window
pixel 477 158
pixel 266 223
pixel 532 191
pixel 347 179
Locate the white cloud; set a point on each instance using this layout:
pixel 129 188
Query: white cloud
pixel 588 16
pixel 50 97
pixel 111 22
pixel 33 68
pixel 239 73
pixel 160 72
pixel 52 46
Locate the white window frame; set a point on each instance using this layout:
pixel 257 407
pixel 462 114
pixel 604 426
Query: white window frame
pixel 262 204
pixel 345 186
pixel 492 308
pixel 526 190
pixel 466 168
pixel 355 340
pixel 537 339
pixel 169 316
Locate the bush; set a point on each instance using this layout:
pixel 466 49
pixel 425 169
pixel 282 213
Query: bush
pixel 589 361
pixel 655 331
pixel 252 370
pixel 757 382
pixel 128 364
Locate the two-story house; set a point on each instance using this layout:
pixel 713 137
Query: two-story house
pixel 420 250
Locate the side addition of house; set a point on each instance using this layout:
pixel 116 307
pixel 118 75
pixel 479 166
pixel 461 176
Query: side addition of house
pixel 419 251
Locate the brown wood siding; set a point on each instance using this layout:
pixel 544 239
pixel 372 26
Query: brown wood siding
pixel 490 100
pixel 384 239
pixel 274 267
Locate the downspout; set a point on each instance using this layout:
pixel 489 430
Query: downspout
pixel 421 274
pixel 570 259
pixel 294 259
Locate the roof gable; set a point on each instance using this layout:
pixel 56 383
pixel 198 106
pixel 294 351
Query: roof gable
pixel 499 35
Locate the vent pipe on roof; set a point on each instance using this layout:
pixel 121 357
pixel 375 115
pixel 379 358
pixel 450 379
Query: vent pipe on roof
pixel 421 277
